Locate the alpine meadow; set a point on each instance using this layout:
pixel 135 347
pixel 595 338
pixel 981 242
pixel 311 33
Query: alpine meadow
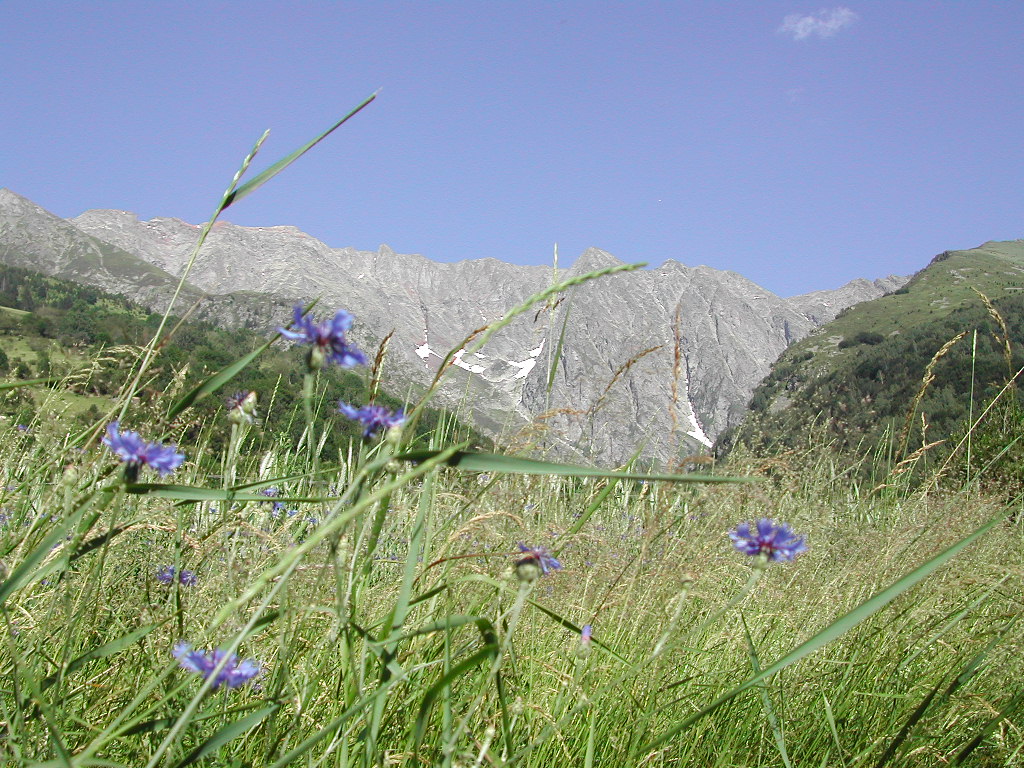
pixel 230 549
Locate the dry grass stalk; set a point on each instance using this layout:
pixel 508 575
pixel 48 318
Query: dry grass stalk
pixel 1002 340
pixel 926 381
pixel 619 373
pixel 378 366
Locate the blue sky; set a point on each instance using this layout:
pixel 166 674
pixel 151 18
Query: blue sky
pixel 797 143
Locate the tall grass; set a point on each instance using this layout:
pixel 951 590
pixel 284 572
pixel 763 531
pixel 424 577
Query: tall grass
pixel 395 620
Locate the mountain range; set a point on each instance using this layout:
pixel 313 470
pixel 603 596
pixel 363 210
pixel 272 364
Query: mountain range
pixel 657 360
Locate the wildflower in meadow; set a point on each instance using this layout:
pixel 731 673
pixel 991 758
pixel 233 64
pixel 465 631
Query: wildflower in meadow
pixel 327 339
pixel 135 452
pixel 241 407
pixel 167 574
pixel 586 641
pixel 234 673
pixel 772 542
pixel 535 562
pixel 374 418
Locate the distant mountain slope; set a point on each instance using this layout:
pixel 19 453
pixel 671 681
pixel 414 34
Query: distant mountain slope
pixel 858 375
pixel 664 358
pixel 57 328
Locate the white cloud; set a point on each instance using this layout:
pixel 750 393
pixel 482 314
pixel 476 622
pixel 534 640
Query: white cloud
pixel 825 23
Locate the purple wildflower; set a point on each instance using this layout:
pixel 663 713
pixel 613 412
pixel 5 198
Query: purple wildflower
pixel 234 673
pixel 133 450
pixel 166 575
pixel 540 557
pixel 374 418
pixel 328 340
pixel 585 642
pixel 775 542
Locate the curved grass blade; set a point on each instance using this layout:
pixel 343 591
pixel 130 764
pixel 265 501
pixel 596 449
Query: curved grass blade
pixel 262 178
pixel 574 629
pixel 216 381
pixel 193 493
pixel 26 568
pixel 108 649
pixel 496 462
pixel 226 734
pixel 832 631
pixel 222 377
pixel 478 658
pixel 558 347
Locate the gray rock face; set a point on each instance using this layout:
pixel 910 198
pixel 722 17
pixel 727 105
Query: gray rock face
pixel 661 360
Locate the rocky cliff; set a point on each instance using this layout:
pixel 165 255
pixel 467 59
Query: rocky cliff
pixel 660 359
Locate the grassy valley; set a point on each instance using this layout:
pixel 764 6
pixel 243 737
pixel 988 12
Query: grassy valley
pixel 195 586
pixel 857 383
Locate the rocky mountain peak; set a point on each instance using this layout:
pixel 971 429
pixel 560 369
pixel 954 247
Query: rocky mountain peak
pixel 594 259
pixel 666 358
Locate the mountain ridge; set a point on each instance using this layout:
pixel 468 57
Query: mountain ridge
pixel 665 358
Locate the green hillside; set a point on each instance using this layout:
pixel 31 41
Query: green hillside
pixel 855 379
pixel 88 339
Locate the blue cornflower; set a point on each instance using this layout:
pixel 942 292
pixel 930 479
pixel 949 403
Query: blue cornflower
pixel 374 418
pixel 538 557
pixel 586 637
pixel 135 451
pixel 234 673
pixel 166 575
pixel 328 340
pixel 775 542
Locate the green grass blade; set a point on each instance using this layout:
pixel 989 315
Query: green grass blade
pixel 195 493
pixel 558 347
pixel 226 734
pixel 766 702
pixel 990 726
pixel 834 630
pixel 25 569
pixel 107 649
pixel 216 381
pixel 478 658
pixel 262 178
pixel 495 462
pixel 26 383
pixel 904 732
pixel 572 627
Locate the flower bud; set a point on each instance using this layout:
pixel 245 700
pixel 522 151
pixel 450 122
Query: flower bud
pixel 586 642
pixel 315 359
pixel 71 475
pixel 528 570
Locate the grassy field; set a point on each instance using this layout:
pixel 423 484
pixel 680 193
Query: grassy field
pixel 380 600
pixel 398 604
